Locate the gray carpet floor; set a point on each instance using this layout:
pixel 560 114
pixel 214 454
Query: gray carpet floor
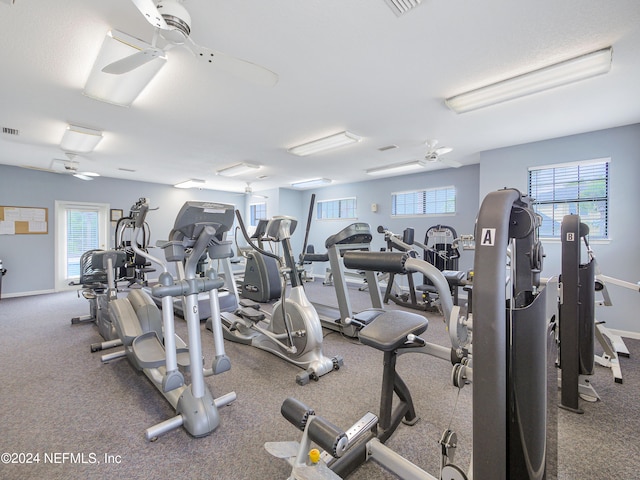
pixel 88 418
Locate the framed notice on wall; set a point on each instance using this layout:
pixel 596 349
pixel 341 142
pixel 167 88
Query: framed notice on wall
pixel 24 220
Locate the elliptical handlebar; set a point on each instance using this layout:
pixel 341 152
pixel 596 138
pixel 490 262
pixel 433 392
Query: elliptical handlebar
pixel 138 215
pixel 246 236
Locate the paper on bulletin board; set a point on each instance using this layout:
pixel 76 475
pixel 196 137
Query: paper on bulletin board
pixel 23 220
pixel 7 228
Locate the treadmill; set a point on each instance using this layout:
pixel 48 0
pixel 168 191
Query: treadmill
pixel 356 236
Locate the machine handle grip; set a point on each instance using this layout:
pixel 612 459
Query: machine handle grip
pixel 329 437
pixel 246 236
pixel 392 262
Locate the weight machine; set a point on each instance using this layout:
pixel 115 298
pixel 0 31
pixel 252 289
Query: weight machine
pixel 514 419
pixel 578 325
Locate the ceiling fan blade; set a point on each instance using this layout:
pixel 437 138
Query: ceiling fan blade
pixel 82 176
pixel 248 71
pixel 151 13
pixel 134 61
pixel 443 150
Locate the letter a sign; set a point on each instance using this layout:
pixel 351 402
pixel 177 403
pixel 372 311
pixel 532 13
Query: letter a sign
pixel 488 237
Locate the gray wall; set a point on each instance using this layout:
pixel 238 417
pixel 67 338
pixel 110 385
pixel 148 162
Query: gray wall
pixel 465 179
pixel 619 257
pixel 30 258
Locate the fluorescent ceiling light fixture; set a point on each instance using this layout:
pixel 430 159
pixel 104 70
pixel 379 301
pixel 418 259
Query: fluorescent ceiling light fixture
pixel 316 182
pixel 193 183
pixel 569 71
pixel 326 143
pixel 239 169
pixel 120 89
pixel 80 139
pixel 397 168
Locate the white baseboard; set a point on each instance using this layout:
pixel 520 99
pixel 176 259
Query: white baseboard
pixel 625 334
pixel 27 294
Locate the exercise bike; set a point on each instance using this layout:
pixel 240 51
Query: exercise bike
pixel 149 339
pixel 293 332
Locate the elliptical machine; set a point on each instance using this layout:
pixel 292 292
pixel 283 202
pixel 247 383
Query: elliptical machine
pixel 294 332
pixel 261 279
pixel 149 339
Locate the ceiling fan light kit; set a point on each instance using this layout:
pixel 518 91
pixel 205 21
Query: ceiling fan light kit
pixel 316 182
pixel 80 139
pixel 193 183
pixel 558 74
pixel 121 89
pixel 238 169
pixel 323 144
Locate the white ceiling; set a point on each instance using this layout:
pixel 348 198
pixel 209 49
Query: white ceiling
pixel 342 64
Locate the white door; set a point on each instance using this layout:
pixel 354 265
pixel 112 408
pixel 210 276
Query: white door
pixel 79 227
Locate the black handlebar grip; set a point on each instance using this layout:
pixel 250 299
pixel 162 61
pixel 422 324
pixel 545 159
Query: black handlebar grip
pixel 328 436
pixel 392 262
pixel 296 412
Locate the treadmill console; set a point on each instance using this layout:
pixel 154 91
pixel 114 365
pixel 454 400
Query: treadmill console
pixel 280 228
pixel 194 216
pixel 358 232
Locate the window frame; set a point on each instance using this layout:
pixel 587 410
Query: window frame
pixel 321 204
pixel 425 202
pixel 572 204
pixel 253 213
pixel 62 279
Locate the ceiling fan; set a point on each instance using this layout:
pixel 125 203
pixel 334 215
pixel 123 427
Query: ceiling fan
pixel 172 23
pixel 433 154
pixel 66 167
pixel 249 192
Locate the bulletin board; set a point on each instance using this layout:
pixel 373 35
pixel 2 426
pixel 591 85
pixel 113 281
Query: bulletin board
pixel 24 220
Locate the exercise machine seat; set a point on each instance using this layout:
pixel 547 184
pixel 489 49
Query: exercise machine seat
pixel 389 331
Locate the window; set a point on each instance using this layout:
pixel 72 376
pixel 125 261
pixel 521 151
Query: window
pixel 430 201
pixel 258 211
pixel 340 208
pixel 580 188
pixel 79 227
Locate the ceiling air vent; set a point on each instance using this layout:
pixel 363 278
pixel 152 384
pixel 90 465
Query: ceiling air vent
pixel 388 147
pixel 401 7
pixel 10 131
